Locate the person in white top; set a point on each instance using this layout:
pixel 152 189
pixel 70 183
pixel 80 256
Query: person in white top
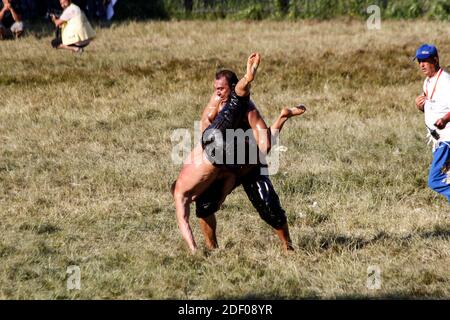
pixel 76 31
pixel 435 103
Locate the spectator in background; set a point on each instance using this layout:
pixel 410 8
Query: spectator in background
pixel 434 102
pixel 11 24
pixel 76 31
pixel 110 8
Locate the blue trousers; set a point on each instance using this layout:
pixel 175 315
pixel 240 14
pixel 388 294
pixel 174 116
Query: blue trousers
pixel 439 176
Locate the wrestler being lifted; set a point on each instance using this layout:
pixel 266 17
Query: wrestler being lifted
pixel 201 173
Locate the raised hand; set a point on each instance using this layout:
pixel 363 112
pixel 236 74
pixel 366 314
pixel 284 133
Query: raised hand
pixel 6 4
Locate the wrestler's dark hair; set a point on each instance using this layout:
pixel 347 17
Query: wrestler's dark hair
pixel 231 77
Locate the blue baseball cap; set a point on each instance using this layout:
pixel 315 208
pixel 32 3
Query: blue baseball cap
pixel 426 51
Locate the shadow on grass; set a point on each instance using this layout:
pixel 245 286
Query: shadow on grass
pixel 339 242
pixel 395 295
pixel 408 295
pixel 438 232
pixel 264 296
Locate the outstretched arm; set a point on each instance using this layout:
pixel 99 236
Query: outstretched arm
pixel 186 232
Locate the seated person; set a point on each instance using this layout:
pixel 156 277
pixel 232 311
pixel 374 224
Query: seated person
pixel 11 24
pixel 76 31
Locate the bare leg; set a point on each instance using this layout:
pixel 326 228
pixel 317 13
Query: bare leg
pixel 208 224
pixel 285 114
pixel 71 48
pixel 195 176
pixel 283 234
pixel 18 34
pixel 3 33
pixel 272 134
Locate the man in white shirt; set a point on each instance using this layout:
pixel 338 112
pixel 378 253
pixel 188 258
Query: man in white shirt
pixel 76 31
pixel 435 103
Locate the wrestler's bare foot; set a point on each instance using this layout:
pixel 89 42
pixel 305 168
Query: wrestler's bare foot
pixel 252 65
pixel 288 248
pixel 283 234
pixel 292 112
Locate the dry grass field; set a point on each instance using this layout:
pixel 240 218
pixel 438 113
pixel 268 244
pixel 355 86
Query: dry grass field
pixel 85 164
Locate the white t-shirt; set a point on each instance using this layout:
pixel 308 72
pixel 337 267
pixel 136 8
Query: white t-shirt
pixel 71 11
pixel 437 104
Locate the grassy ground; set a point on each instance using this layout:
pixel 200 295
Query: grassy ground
pixel 85 164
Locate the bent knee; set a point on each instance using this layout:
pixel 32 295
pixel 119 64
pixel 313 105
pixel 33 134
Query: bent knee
pixel 275 217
